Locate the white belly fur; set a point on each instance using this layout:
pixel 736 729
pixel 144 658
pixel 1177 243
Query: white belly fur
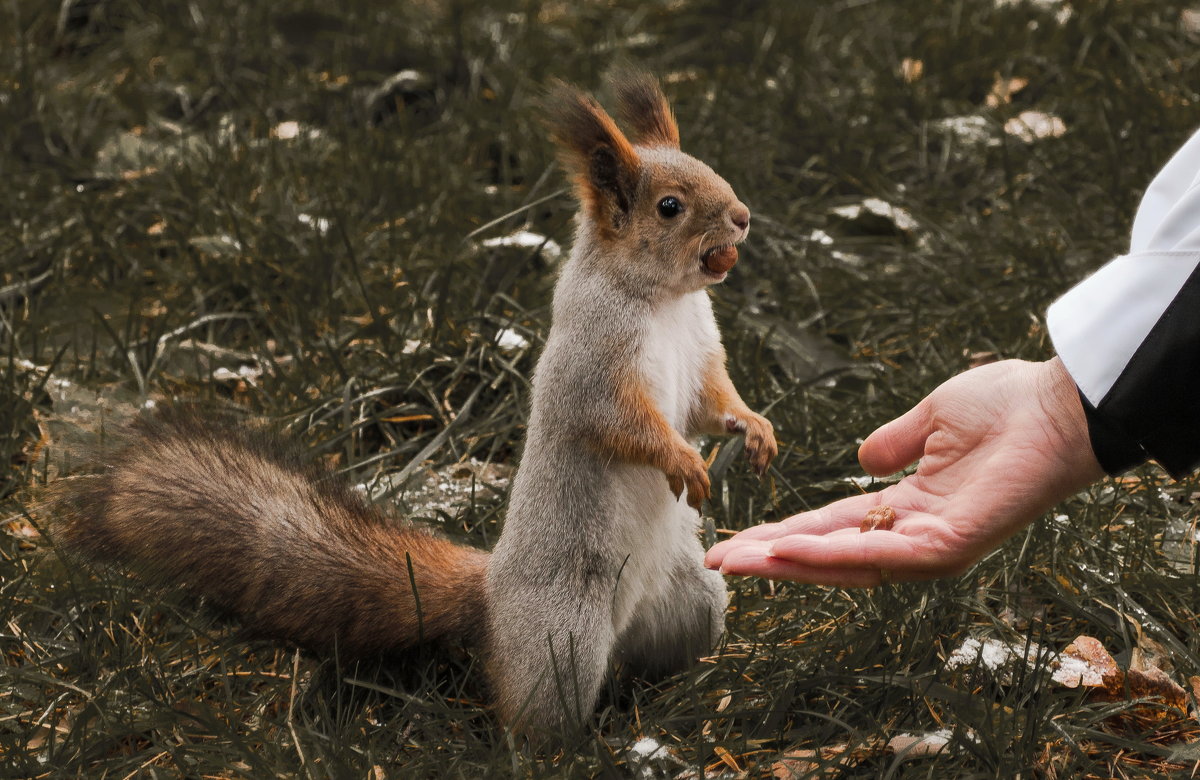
pixel 657 528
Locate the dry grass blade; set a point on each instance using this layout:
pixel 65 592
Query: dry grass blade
pixel 281 208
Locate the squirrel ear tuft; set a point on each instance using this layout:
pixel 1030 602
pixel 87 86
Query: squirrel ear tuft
pixel 591 146
pixel 642 106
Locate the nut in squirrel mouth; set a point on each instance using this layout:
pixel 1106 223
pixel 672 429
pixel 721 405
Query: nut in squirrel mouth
pixel 718 260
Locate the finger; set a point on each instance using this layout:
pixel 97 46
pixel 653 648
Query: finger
pixel 756 562
pixel 716 554
pixel 764 531
pixel 845 513
pixel 878 549
pixel 898 443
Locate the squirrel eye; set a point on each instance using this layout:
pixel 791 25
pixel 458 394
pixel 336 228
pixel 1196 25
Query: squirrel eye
pixel 669 207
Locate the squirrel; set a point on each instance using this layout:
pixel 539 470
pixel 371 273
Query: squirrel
pixel 599 560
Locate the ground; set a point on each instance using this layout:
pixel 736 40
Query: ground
pixel 315 213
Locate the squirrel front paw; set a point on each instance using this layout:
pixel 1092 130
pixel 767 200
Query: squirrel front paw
pixel 690 471
pixel 761 448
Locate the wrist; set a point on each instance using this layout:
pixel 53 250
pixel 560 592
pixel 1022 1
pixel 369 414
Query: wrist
pixel 1064 410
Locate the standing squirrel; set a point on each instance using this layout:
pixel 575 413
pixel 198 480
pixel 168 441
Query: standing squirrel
pixel 599 559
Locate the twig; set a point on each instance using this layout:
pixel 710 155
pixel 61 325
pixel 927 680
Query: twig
pixel 291 716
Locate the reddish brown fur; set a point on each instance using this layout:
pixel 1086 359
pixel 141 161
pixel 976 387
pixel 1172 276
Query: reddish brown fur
pixel 718 400
pixel 603 163
pixel 642 435
pixel 242 518
pixel 643 107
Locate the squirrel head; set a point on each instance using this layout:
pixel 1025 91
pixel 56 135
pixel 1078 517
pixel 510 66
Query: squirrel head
pixel 657 219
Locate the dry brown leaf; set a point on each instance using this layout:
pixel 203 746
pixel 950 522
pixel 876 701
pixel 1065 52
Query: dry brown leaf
pixel 911 70
pixel 1003 89
pixel 1154 683
pixel 976 359
pixel 828 761
pixel 727 758
pixel 1085 662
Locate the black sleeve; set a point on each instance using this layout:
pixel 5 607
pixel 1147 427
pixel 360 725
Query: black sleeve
pixel 1152 410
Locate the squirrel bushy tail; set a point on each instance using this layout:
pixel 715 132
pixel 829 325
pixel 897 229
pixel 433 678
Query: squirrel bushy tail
pixel 243 518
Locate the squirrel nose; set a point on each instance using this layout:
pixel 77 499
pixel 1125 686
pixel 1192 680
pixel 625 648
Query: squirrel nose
pixel 740 216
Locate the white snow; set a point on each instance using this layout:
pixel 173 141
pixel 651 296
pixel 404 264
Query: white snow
pixel 527 239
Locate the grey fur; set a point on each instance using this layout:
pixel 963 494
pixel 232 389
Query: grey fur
pixel 599 560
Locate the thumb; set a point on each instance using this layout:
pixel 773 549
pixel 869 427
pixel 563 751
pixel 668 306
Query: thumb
pixel 896 444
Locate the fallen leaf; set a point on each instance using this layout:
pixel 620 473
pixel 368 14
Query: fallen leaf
pixel 1195 683
pixel 1154 683
pixel 977 359
pixel 808 763
pixel 911 70
pixel 1085 662
pixel 727 758
pixel 1003 89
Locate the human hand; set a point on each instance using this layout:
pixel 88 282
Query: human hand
pixel 998 446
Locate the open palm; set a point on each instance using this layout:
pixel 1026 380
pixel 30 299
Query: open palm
pixel 998 446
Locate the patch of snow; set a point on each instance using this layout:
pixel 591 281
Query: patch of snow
pixel 648 748
pixel 1189 19
pixel 319 224
pixel 879 208
pixel 819 236
pixel 998 656
pixel 220 244
pixel 526 239
pixel 1030 126
pixel 249 374
pixel 915 746
pixel 510 341
pixel 290 130
pixel 649 759
pixel 1073 672
pixel 972 130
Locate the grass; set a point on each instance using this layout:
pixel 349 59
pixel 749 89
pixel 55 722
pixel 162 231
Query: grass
pixel 156 228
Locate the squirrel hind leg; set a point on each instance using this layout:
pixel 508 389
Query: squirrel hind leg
pixel 547 660
pixel 677 626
